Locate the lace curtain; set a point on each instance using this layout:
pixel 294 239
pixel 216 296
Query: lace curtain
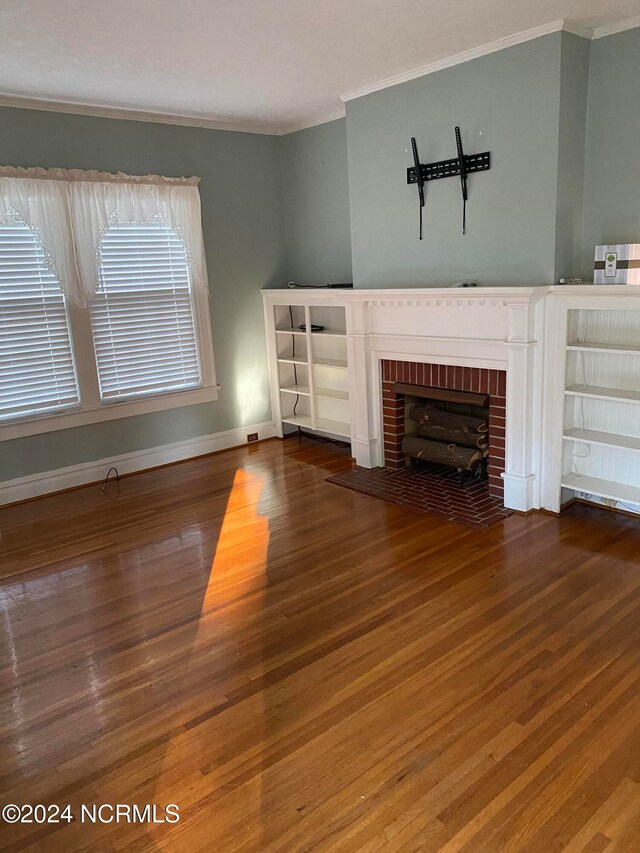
pixel 71 209
pixel 44 207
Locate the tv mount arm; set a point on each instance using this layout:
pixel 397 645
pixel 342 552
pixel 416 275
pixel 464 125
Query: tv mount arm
pixel 463 165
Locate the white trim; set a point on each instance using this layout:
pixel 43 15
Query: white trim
pixel 107 412
pixel 487 354
pixel 8 100
pixel 577 30
pixel 303 125
pixel 97 111
pixel 73 476
pixel 467 56
pixel 620 27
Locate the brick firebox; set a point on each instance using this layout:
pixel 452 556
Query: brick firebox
pixel 480 380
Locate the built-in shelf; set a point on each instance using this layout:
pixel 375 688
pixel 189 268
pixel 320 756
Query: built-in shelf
pixel 299 390
pixel 327 333
pixel 617 395
pixel 335 427
pixel 591 454
pixel 332 393
pixel 601 488
pixel 585 346
pixel 331 362
pixel 322 425
pixel 309 383
pixel 298 420
pixel 300 361
pixel 604 439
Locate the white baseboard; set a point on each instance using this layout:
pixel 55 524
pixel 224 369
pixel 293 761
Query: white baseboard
pixel 46 482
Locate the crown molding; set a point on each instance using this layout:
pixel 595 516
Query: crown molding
pixel 164 118
pixel 620 27
pixel 466 56
pixel 137 115
pixel 577 30
pixel 293 128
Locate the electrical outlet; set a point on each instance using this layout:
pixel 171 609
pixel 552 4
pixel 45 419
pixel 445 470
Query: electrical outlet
pixel 253 436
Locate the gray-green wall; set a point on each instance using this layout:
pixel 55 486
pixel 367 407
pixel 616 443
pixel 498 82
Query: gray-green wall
pixel 315 185
pixel 574 80
pixel 612 179
pixel 243 226
pixel 506 102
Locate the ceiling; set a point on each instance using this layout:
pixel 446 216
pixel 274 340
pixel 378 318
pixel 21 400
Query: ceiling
pixel 265 65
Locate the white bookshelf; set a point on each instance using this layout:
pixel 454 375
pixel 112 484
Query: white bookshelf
pixel 309 370
pixel 601 430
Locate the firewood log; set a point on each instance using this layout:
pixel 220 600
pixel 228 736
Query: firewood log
pixel 436 432
pixel 439 425
pixel 434 414
pixel 466 458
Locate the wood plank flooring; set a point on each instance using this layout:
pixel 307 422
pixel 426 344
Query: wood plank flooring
pixel 301 667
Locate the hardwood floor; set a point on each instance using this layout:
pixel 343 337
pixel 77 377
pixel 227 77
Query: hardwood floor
pixel 301 667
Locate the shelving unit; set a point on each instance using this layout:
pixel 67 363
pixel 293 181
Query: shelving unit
pixel 309 370
pixel 601 432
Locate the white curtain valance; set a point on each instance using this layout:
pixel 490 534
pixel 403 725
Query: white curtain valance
pixel 70 210
pixel 44 207
pixel 95 206
pixel 91 175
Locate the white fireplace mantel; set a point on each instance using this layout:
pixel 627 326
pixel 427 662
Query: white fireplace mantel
pixel 494 328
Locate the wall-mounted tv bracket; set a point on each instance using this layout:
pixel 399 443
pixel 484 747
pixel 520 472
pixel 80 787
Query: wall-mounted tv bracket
pixel 461 165
pixel 417 177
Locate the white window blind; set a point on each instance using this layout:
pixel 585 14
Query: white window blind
pixel 142 316
pixel 37 372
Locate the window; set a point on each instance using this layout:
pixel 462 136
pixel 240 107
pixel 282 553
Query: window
pixel 142 316
pixel 37 372
pixel 104 305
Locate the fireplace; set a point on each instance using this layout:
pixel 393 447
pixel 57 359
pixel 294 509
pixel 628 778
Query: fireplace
pixel 477 381
pixel 446 427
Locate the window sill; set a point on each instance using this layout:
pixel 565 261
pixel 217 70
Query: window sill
pixel 108 412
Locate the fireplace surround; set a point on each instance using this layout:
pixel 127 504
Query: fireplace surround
pixel 489 335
